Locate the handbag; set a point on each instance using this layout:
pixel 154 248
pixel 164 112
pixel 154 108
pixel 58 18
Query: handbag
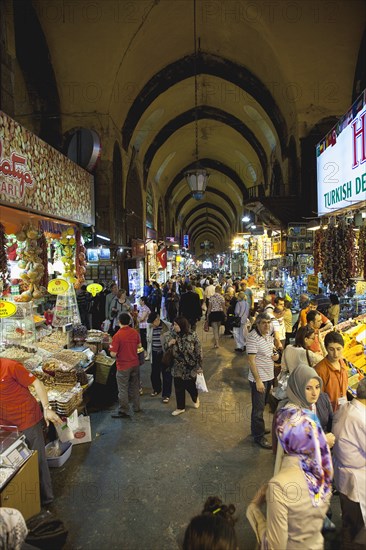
pixel 167 359
pixel 201 383
pixel 234 321
pixel 141 355
pixel 206 327
pixel 114 310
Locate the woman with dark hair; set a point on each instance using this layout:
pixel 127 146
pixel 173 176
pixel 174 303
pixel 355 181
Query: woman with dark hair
pixel 171 302
pixel 187 363
pixel 213 529
pixel 300 352
pixel 155 297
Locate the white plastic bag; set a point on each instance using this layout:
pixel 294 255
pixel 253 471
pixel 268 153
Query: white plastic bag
pixel 106 325
pixel 82 430
pixel 201 383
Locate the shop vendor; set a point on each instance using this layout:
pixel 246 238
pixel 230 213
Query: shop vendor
pixel 19 408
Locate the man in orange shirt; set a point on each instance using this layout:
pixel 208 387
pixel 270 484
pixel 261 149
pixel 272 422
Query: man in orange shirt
pixel 332 370
pixel 313 306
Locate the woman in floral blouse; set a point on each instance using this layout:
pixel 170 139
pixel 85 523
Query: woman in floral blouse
pixel 187 363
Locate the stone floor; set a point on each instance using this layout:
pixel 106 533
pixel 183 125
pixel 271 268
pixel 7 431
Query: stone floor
pixel 139 481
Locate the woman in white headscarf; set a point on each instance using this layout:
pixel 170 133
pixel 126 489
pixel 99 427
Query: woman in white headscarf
pixel 298 495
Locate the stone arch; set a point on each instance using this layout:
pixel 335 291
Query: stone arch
pixel 205 63
pixel 39 76
pixel 200 113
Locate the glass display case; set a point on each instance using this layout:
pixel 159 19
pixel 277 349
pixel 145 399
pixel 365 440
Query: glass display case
pixel 66 310
pixel 19 329
pixel 352 307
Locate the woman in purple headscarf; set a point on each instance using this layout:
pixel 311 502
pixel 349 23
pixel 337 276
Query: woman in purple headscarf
pixel 298 495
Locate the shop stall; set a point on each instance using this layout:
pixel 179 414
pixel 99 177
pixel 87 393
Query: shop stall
pixel 45 202
pixel 340 241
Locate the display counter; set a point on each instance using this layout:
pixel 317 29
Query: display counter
pixel 21 490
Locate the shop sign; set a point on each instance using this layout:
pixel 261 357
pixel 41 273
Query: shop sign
pixel 94 288
pixel 341 161
pixel 35 177
pixel 58 286
pixel 137 248
pixel 313 284
pixel 7 309
pixel 151 233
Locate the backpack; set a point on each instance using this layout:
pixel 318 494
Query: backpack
pixel 46 531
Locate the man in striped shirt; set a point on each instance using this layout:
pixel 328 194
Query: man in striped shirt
pixel 261 356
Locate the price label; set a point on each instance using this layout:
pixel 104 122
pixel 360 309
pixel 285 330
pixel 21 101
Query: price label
pixel 313 284
pixel 94 288
pixel 58 286
pixel 7 309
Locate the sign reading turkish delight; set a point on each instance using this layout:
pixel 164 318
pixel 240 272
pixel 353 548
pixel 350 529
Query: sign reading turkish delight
pixel 341 161
pixel 35 177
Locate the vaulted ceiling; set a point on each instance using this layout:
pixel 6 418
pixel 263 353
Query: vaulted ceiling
pixel 267 72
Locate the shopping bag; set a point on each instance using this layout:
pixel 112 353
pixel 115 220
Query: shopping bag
pixel 280 391
pixel 82 432
pixel 106 325
pixel 201 383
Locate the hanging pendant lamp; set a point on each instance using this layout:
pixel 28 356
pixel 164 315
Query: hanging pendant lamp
pixel 197 177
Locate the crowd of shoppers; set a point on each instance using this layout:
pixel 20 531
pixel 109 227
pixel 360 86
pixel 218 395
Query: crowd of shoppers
pixel 314 417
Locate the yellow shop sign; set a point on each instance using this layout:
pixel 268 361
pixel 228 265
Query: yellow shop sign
pixel 7 309
pixel 58 286
pixel 94 288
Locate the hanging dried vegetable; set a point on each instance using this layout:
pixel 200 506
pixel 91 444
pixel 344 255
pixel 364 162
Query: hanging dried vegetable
pixel 42 243
pixel 319 241
pixel 80 260
pixel 339 259
pixel 361 257
pixel 30 261
pixel 4 268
